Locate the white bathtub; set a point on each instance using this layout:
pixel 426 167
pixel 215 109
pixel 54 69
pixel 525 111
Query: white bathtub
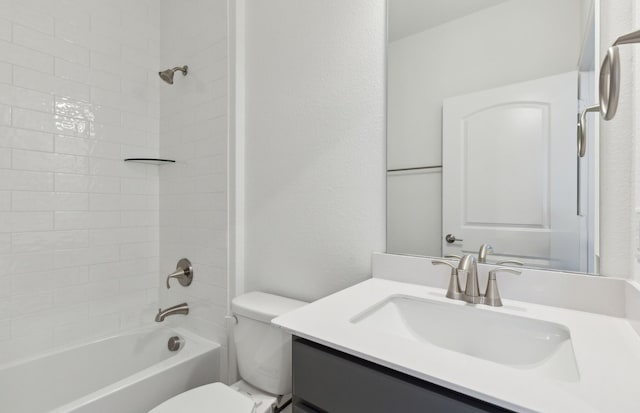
pixel 127 373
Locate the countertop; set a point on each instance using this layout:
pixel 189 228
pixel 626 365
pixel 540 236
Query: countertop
pixel 606 348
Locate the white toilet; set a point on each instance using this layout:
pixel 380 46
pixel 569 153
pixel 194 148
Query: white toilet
pixel 264 361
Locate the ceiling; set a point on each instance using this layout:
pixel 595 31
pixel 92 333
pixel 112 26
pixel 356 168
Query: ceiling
pixel 407 17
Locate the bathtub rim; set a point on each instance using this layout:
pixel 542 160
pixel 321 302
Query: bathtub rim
pixel 97 339
pixel 199 346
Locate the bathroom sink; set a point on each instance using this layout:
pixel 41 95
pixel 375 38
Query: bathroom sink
pixel 539 347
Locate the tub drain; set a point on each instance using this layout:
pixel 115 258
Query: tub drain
pixel 174 343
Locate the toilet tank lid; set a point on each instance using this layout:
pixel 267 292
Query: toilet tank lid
pixel 262 306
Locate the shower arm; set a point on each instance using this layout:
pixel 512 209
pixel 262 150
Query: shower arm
pixel 183 69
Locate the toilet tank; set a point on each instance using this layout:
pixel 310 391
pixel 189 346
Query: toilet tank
pixel 263 350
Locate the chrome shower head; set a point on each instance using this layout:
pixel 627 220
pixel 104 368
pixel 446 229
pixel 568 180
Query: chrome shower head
pixel 167 75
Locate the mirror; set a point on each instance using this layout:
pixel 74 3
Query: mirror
pixel 483 99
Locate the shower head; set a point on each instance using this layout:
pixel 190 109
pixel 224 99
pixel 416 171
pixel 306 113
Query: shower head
pixel 167 75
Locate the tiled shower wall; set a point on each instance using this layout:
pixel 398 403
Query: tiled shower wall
pixel 193 191
pixel 78 226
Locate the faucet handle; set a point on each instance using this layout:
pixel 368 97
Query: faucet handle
pixel 440 262
pixel 458 257
pixel 183 272
pixel 453 291
pixel 510 262
pixel 492 295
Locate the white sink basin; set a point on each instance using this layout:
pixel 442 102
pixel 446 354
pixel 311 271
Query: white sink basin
pixel 540 347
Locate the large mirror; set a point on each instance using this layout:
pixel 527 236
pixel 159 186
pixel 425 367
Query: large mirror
pixel 483 98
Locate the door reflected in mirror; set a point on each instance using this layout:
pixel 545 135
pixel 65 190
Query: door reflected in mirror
pixel 483 98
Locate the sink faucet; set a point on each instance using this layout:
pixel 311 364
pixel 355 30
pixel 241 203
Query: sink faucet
pixel 469 266
pixel 176 309
pixel 471 294
pixel 485 249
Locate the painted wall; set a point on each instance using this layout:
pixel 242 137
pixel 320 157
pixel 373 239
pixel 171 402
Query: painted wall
pixel 314 146
pixel 78 226
pixel 618 165
pixel 508 43
pixel 193 191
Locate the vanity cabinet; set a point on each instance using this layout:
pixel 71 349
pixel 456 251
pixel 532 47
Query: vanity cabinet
pixel 326 380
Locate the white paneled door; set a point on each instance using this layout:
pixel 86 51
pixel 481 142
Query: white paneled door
pixel 510 172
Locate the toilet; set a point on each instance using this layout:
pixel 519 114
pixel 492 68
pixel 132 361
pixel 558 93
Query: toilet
pixel 264 361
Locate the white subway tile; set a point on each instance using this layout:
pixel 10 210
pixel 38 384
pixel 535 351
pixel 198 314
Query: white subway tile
pixel 26 98
pixel 45 122
pixel 25 180
pixel 104 202
pixel 140 218
pixel 5 114
pixel 78 92
pixel 5 158
pixel 46 320
pixel 5 308
pixel 105 45
pixel 15 264
pixel 22 56
pixel 86 183
pixel 87 292
pixel 74 34
pixel 99 326
pixel 104 97
pixel 48 241
pixel 86 256
pixel 33 19
pixel 70 15
pixel 86 147
pixel 49 279
pixel 48 83
pixel 5 200
pixel 60 48
pixel 6 73
pixel 71 71
pixel 82 220
pixel 138 250
pixel 25 139
pixel 30 303
pixel 25 221
pixel 146 186
pixel 45 161
pixel 5 243
pixel 105 80
pixel 5 30
pixel 137 283
pixel 49 201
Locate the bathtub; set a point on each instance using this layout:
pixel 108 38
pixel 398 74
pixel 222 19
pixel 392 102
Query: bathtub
pixel 128 373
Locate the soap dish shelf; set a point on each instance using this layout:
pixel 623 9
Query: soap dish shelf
pixel 150 161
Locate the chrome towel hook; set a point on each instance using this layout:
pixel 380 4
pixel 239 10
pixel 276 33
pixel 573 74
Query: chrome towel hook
pixel 609 88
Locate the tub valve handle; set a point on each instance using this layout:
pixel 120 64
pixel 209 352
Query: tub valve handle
pixel 183 273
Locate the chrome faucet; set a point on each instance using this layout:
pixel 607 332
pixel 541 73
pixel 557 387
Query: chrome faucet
pixel 471 294
pixel 176 309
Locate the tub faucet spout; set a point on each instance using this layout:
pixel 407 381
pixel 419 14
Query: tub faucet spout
pixel 176 309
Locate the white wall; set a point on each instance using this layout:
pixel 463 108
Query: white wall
pixel 315 144
pixel 193 192
pixel 78 226
pixel 512 42
pixel 616 159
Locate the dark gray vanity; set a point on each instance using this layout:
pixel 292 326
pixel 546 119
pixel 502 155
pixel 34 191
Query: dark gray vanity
pixel 326 380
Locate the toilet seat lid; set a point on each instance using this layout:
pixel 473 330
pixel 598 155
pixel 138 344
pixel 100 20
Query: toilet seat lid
pixel 210 398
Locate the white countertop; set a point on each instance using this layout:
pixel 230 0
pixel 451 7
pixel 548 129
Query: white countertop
pixel 607 352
